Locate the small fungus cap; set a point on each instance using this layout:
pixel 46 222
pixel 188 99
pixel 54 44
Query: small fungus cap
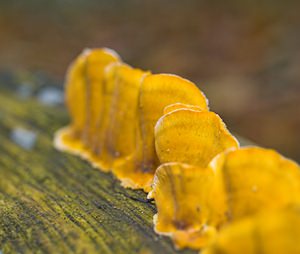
pixel 191 136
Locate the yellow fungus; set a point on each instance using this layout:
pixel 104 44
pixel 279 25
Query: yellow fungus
pixel 207 190
pixel 273 232
pixel 96 63
pixel 194 202
pixel 252 179
pixel 191 136
pixel 83 89
pixel 157 92
pixel 118 132
pixel 180 193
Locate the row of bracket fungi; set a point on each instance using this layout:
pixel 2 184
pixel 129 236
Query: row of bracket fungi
pixel 155 132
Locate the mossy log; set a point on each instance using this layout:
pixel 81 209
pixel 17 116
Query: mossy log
pixel 53 202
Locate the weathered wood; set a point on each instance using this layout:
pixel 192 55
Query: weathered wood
pixel 52 202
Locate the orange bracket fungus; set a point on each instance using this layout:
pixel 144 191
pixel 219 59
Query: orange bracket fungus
pixel 180 192
pixel 117 132
pixel 114 109
pixel 156 92
pixel 155 132
pixel 192 201
pixel 252 179
pixel 191 136
pixel 269 233
pixel 84 91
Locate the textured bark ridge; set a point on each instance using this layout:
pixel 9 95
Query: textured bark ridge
pixel 52 202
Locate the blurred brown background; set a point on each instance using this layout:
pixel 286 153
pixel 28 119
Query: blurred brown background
pixel 245 55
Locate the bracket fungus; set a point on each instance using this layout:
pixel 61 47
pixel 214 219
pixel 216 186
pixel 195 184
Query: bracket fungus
pixel 200 136
pixel 273 232
pixel 83 91
pixel 181 196
pixel 157 91
pixel 194 202
pixel 252 179
pixel 117 127
pixel 114 109
pixel 208 191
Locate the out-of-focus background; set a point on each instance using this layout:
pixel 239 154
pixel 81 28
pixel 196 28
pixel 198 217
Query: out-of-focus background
pixel 245 55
